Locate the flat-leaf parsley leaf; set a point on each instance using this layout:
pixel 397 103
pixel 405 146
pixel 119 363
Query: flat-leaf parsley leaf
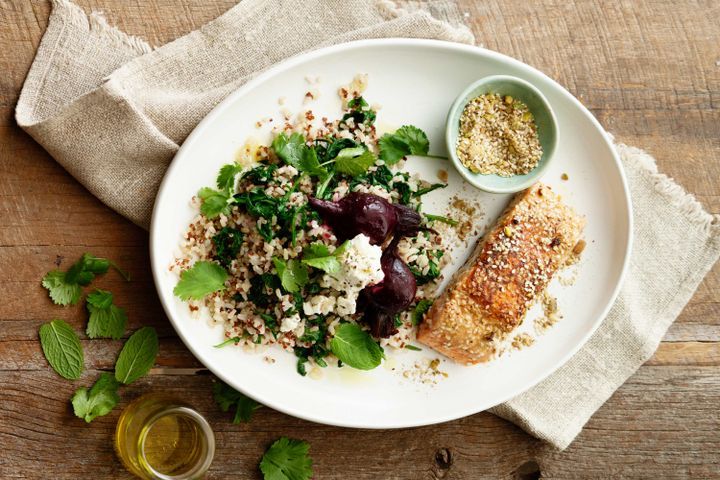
pixel 200 280
pixel 354 161
pixel 62 349
pixel 137 355
pixel 355 347
pixel 287 459
pixel 106 320
pixel 99 400
pixel 65 288
pixel 226 396
pixel 407 140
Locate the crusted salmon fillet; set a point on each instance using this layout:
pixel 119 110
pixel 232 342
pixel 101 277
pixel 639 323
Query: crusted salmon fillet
pixel 510 267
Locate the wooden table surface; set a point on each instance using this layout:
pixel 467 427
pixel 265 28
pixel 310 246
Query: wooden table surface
pixel 649 70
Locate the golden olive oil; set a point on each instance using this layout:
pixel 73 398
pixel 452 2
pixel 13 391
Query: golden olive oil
pixel 159 437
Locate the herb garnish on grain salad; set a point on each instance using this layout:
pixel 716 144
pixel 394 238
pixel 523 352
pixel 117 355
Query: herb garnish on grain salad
pixel 320 245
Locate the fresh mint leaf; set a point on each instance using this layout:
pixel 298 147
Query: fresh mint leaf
pixel 226 177
pixel 354 161
pixel 106 320
pixel 293 274
pixel 226 397
pixel 287 459
pixel 439 218
pixel 315 250
pixel 355 347
pixel 289 149
pixel 329 264
pixel 137 355
pixel 62 349
pixel 99 400
pixel 419 311
pixel 214 202
pixel 227 245
pixel 61 291
pixel 200 280
pixel 414 138
pixel 318 256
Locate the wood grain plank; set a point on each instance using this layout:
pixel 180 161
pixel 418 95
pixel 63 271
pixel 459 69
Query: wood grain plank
pixel 646 68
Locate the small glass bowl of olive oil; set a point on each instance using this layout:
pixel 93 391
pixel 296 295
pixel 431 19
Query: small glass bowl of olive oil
pixel 158 437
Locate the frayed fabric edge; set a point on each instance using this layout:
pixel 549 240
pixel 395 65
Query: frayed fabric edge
pixel 96 22
pixel 459 33
pixel 671 190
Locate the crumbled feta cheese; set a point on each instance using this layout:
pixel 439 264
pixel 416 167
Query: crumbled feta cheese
pixel 360 267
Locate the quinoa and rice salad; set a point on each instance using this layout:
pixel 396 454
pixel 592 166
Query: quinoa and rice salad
pixel 271 264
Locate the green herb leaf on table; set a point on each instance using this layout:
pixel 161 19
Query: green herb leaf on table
pixel 293 274
pixel 420 310
pixel 226 396
pixel 137 355
pixel 214 202
pixel 413 348
pixel 99 400
pixel 287 459
pixel 226 177
pixel 354 161
pixel 355 347
pixel 106 320
pixel 61 291
pixel 202 279
pixel 62 349
pixel 65 287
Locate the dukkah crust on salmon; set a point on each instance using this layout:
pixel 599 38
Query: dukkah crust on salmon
pixel 510 267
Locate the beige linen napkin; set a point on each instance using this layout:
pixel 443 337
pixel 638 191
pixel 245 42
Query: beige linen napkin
pixel 113 111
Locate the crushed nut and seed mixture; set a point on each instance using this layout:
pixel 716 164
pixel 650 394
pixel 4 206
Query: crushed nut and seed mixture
pixel 498 135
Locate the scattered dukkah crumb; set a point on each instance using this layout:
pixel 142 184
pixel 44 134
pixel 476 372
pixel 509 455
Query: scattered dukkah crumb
pixel 498 135
pixel 550 314
pixel 425 371
pixel 564 176
pixel 311 95
pixel 282 100
pixel 442 175
pixel 269 359
pixel 522 340
pixel 466 215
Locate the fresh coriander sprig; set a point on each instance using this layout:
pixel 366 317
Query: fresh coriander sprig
pixel 226 397
pixel 65 288
pixel 99 400
pixel 287 459
pixel 106 319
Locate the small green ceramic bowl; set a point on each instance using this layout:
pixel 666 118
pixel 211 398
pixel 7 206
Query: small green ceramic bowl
pixel 544 119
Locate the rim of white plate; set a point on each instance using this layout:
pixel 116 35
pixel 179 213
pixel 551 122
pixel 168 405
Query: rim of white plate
pixel 359 44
